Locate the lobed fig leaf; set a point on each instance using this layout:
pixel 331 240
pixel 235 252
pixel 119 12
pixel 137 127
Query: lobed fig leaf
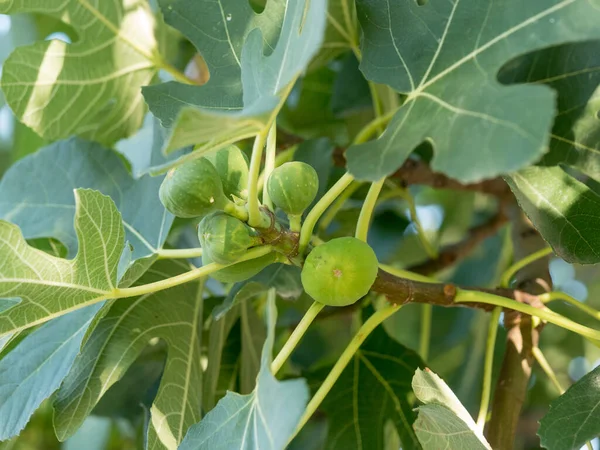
pixel 225 238
pixel 340 272
pixel 293 186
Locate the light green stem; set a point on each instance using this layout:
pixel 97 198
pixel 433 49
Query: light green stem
pixel 364 331
pixel 366 212
pixel 429 249
pixel 269 164
pixel 337 206
pixel 185 277
pixel 295 337
pixel 372 127
pixel 464 296
pixel 407 274
pixel 176 74
pixel 488 368
pixel 426 314
pixel 311 219
pixel 551 296
pixel 512 270
pixel 254 217
pixel 541 360
pixel 179 253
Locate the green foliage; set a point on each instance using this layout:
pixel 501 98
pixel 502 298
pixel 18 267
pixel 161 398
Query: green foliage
pixel 293 187
pixel 264 418
pixel 372 391
pixel 443 420
pixel 573 418
pixel 38 279
pixel 450 141
pixel 172 316
pixel 339 272
pixel 444 56
pixel 91 87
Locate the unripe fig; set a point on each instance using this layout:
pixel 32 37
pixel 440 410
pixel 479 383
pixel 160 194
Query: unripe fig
pixel 339 272
pixel 224 238
pixel 293 186
pixel 242 270
pixel 193 189
pixel 232 166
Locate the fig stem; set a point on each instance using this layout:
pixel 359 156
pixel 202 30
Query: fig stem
pixel 186 277
pixel 488 368
pixel 320 207
pixel 425 338
pixel 556 295
pixel 269 164
pixel 254 216
pixel 295 337
pixel 512 270
pixel 184 253
pixel 367 328
pixel 337 206
pixel 295 222
pixel 366 212
pixel 466 296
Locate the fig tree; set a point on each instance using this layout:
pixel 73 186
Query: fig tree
pixel 225 238
pixel 339 272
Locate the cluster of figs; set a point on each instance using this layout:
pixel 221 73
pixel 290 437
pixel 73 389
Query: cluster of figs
pixel 213 188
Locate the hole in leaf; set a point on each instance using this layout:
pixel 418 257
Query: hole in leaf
pixel 258 5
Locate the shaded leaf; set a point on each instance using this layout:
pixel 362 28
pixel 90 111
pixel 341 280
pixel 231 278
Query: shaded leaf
pixel 32 371
pixel 91 87
pixel 245 83
pixel 253 336
pixel 443 421
pixel 222 364
pixel 373 389
pixel 265 418
pixel 574 417
pixel 308 110
pixel 173 315
pixel 48 286
pixel 565 210
pixel 37 195
pixel 572 70
pixel 445 56
pixel 283 277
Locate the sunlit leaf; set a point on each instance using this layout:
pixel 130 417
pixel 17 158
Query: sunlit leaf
pixel 49 287
pixel 91 87
pixel 174 316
